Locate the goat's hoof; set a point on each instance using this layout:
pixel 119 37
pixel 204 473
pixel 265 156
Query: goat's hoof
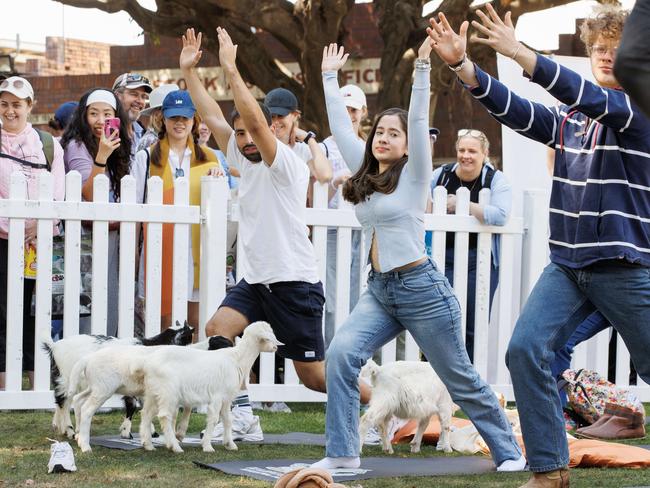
pixel 70 433
pixel 208 448
pixel 126 435
pixel 388 451
pixel 148 447
pixel 177 449
pixel 415 449
pixel 86 449
pixel 231 447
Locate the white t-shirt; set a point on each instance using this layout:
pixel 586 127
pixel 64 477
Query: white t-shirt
pixel 272 225
pixel 302 151
pixel 339 167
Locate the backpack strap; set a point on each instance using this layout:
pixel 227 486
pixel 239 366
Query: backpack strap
pixel 146 176
pixel 443 177
pixel 489 176
pixel 48 146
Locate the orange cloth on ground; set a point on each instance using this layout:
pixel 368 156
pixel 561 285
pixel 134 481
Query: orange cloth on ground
pixel 583 453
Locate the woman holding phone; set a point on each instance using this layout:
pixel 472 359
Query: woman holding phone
pixel 96 142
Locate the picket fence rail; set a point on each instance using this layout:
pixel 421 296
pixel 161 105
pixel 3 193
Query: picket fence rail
pixel 523 255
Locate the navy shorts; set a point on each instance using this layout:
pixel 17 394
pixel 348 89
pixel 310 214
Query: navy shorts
pixel 293 308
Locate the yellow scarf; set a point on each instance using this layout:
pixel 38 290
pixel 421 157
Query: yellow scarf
pixel 197 169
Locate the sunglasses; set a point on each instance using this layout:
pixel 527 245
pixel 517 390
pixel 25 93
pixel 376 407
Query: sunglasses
pixel 134 78
pixel 472 133
pixel 15 83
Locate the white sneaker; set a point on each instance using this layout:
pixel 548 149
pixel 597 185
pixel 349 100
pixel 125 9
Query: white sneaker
pixel 278 407
pixel 257 406
pixel 245 426
pixel 61 459
pixel 373 437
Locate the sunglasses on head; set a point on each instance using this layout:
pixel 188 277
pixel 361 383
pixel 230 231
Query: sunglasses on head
pixel 15 83
pixel 472 133
pixel 134 78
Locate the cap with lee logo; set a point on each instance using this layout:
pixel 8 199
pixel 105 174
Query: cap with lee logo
pixel 178 104
pixel 281 101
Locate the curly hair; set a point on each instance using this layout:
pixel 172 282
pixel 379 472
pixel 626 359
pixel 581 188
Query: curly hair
pixel 607 21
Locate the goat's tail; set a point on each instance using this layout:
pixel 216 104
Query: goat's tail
pixel 76 376
pixel 46 340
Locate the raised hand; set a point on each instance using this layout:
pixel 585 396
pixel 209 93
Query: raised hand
pixel 227 50
pixel 500 34
pixel 191 53
pixel 107 145
pixel 334 58
pixel 424 51
pixel 448 45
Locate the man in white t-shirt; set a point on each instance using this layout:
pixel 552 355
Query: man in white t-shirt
pixel 280 281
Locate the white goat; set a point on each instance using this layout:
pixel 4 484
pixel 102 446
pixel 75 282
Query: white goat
pixel 407 390
pixel 65 353
pixel 174 376
pixel 112 370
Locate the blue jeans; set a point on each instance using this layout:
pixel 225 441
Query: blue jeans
pixel 592 325
pixel 330 283
pixel 560 301
pixel 421 301
pixel 471 291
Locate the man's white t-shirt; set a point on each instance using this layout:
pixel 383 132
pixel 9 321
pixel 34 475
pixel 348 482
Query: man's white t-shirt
pixel 272 227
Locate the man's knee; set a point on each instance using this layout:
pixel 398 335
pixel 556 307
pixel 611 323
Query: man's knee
pixel 312 375
pixel 226 322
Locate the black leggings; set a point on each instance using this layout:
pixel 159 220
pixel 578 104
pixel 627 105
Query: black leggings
pixel 632 67
pixel 28 319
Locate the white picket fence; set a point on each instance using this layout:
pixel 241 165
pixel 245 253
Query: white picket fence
pixel 523 255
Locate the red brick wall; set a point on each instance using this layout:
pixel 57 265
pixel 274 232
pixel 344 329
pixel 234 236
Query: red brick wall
pixel 70 57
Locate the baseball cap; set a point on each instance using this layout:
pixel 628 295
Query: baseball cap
pixel 353 96
pixel 18 86
pixel 64 112
pixel 178 104
pixel 157 96
pixel 281 101
pixel 132 81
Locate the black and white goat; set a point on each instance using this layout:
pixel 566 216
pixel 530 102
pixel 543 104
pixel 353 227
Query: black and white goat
pixel 407 390
pixel 175 377
pixel 64 354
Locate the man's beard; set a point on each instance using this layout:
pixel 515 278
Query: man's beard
pixel 253 157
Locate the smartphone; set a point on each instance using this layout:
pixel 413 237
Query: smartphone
pixel 111 125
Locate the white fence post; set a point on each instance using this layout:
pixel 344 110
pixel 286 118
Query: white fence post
pixel 535 252
pixel 153 261
pixel 214 236
pixel 43 318
pixel 98 321
pixel 461 250
pixel 180 289
pixel 482 293
pixel 72 259
pixel 127 255
pixel 15 288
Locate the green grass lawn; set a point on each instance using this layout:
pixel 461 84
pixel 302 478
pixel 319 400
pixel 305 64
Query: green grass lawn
pixel 24 453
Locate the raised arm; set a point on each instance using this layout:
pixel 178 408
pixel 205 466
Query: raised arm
pixel 351 147
pixel 532 120
pixel 248 108
pixel 207 107
pixel 419 144
pixel 319 165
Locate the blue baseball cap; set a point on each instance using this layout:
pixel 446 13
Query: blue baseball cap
pixel 281 101
pixel 63 114
pixel 178 104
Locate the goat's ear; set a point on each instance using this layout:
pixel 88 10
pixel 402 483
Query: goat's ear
pixel 190 327
pixel 186 324
pixel 178 324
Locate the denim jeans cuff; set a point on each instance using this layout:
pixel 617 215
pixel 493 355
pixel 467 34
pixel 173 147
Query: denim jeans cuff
pixel 550 467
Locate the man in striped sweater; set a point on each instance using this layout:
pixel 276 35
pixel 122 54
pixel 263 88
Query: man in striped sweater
pixel 599 213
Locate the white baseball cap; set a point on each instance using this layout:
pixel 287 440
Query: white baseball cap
pixel 353 96
pixel 18 86
pixel 157 96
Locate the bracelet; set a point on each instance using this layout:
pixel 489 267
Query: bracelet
pixel 422 63
pixel 514 55
pixel 309 135
pixel 458 66
pixel 99 165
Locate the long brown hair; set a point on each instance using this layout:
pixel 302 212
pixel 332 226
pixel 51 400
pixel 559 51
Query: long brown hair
pixel 367 179
pixel 156 156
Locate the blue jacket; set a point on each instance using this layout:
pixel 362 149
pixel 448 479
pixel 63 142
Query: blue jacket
pixel 600 200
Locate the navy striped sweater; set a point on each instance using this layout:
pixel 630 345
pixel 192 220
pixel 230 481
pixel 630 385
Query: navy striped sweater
pixel 600 201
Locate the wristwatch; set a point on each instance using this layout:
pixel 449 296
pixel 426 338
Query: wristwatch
pixel 309 135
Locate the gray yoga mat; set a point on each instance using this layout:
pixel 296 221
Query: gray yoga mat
pixel 371 467
pixel 300 438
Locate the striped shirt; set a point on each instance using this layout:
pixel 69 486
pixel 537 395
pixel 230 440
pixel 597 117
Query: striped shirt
pixel 600 200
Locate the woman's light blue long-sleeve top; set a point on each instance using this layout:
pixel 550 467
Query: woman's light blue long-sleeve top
pixel 396 219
